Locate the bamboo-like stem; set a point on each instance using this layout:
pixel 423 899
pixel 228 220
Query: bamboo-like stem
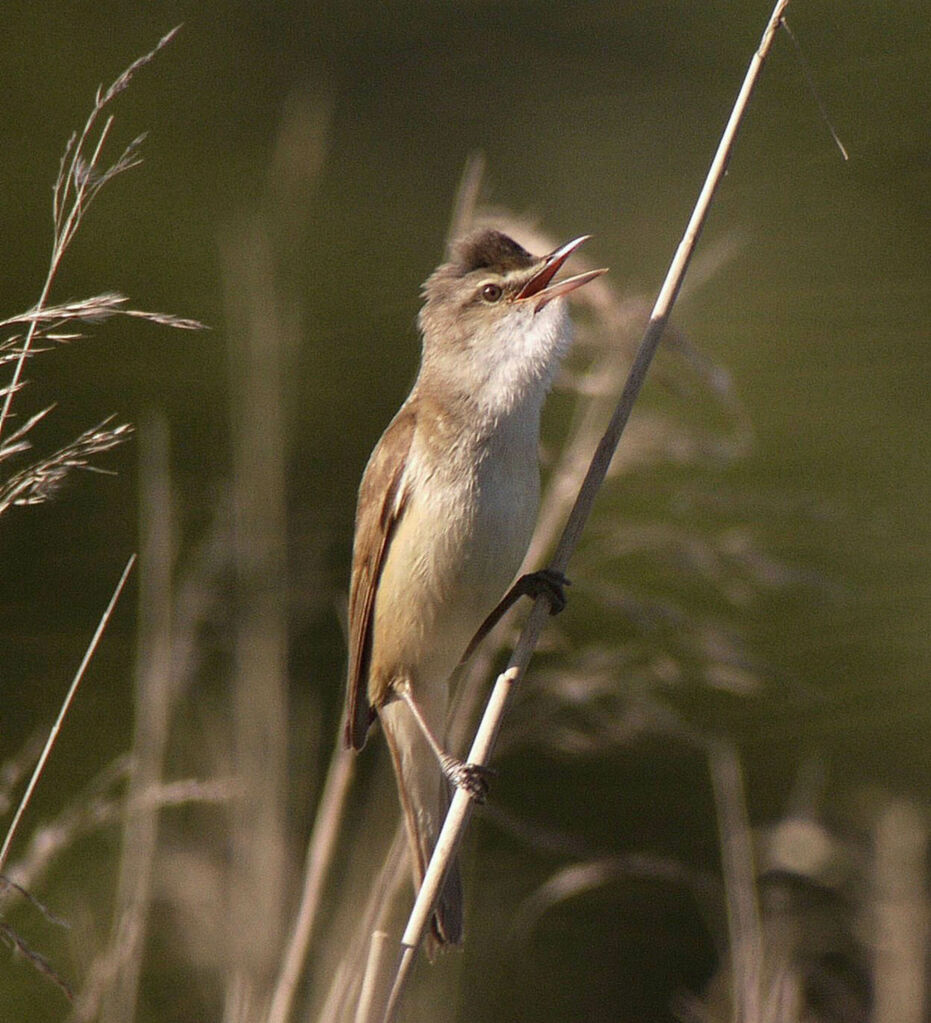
pixel 461 806
pixel 65 706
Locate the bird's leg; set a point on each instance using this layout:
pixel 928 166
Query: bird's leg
pixel 545 583
pixel 473 778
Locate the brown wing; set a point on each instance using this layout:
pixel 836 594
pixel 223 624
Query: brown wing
pixel 381 505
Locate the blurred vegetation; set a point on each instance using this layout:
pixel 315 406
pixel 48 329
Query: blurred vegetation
pixel 747 644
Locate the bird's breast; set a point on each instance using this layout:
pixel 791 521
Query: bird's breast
pixel 467 523
pixel 506 495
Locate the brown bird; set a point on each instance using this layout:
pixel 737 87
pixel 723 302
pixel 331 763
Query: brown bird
pixel 446 509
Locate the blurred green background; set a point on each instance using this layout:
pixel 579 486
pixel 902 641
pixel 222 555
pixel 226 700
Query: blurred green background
pixel 594 118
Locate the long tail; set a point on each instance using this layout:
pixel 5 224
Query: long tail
pixel 424 795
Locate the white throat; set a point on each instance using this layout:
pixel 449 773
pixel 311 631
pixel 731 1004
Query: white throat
pixel 512 370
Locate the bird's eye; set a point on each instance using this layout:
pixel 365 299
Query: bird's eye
pixel 491 292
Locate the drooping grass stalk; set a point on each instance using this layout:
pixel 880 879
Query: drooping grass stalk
pixel 79 182
pixel 100 808
pixel 82 174
pixel 14 941
pixel 41 480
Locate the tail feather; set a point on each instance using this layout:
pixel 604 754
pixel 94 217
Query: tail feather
pixel 424 796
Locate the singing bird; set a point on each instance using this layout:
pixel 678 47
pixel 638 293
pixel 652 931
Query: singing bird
pixel 445 513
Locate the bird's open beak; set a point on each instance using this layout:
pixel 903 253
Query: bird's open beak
pixel 539 287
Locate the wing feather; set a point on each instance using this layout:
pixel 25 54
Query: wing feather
pixel 382 500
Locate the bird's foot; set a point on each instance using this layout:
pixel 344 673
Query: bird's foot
pixel 546 583
pixel 471 778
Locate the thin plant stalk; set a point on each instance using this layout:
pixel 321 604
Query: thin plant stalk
pixel 319 856
pixel 374 971
pixel 348 975
pixel 155 692
pixel 259 343
pixel 265 335
pixel 65 707
pixel 461 806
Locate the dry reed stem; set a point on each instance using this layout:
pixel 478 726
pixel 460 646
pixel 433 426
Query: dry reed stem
pixel 265 333
pixel 392 878
pixel 260 339
pixel 153 707
pixel 320 850
pixel 369 1007
pixel 461 806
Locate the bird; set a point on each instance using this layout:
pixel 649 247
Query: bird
pixel 446 509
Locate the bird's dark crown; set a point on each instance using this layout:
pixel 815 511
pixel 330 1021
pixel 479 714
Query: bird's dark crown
pixel 487 249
